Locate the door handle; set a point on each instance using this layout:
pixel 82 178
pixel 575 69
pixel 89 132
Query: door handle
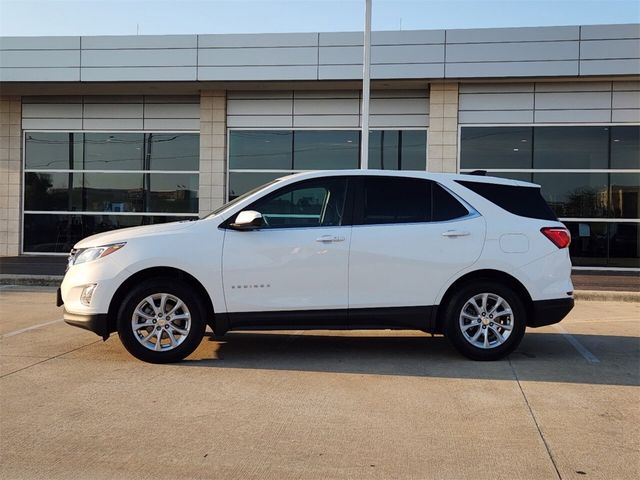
pixel 455 233
pixel 329 239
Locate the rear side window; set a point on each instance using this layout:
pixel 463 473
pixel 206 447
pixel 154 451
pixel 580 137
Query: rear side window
pixel 396 200
pixel 522 201
pixel 445 205
pixel 406 200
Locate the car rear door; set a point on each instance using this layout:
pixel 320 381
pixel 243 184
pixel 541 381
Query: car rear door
pixel 409 237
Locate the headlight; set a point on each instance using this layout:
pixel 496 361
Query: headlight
pixel 85 255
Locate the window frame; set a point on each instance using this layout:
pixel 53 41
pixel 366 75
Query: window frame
pixel 358 206
pixel 310 129
pixel 347 214
pixel 25 170
pixel 608 170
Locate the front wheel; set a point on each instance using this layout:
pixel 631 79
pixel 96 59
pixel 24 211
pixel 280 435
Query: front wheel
pixel 161 321
pixel 485 321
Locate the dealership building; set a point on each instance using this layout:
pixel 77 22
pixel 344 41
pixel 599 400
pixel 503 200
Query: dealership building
pixel 105 132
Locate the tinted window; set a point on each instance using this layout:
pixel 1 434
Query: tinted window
pixel 496 147
pixel 46 151
pixel 306 204
pixel 59 232
pixel 266 149
pixel 523 201
pixel 113 151
pixel 575 194
pixel 242 182
pixel 571 147
pixel 625 195
pixel 625 146
pixel 331 150
pixel 445 205
pixel 396 200
pixel 398 149
pixel 173 151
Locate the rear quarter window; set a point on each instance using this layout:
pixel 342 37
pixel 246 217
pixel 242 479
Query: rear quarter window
pixel 522 201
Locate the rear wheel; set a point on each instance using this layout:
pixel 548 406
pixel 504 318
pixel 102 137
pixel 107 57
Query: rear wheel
pixel 485 320
pixel 161 321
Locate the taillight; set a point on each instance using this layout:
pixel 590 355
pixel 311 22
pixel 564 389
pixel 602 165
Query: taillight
pixel 560 237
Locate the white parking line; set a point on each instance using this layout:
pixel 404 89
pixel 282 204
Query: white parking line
pixel 588 356
pixel 22 330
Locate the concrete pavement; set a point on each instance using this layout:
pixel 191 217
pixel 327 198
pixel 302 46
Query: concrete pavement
pixel 319 405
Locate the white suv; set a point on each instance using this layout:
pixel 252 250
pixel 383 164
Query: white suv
pixel 476 258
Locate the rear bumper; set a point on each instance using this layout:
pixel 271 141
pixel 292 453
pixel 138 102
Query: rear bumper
pixel 95 322
pixel 547 312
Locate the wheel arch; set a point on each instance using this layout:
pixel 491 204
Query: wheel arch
pixel 156 272
pixel 480 275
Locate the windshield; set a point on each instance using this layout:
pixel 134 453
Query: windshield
pixel 230 204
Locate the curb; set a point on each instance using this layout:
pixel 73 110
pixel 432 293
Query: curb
pixel 579 295
pixel 606 296
pixel 31 280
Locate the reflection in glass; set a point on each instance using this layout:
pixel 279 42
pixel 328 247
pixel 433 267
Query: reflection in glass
pixel 242 182
pixel 398 149
pixel 113 151
pixel 330 150
pixel 173 151
pixel 625 146
pixel 495 147
pixel 173 193
pixel 49 151
pixel 624 245
pixel 589 243
pixel 571 147
pixel 575 194
pixel 264 149
pixel 59 232
pixel 625 195
pixel 48 191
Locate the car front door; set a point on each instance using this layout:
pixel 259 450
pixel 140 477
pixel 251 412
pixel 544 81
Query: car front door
pixel 409 237
pixel 297 262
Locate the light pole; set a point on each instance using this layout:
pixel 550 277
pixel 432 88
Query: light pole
pixel 364 152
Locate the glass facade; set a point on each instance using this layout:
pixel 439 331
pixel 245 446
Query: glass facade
pixel 590 176
pixel 80 183
pixel 259 156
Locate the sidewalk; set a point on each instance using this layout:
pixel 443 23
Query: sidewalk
pixel 48 270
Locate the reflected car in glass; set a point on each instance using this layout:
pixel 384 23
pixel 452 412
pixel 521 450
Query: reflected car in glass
pixel 475 258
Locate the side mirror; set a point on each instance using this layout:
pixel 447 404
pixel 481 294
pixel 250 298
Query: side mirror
pixel 248 220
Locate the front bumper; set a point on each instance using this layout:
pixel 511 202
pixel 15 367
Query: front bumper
pixel 96 322
pixel 548 312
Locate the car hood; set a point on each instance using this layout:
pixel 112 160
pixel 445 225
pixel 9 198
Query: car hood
pixel 125 234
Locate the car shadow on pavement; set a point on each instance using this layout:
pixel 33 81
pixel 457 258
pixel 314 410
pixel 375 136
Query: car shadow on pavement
pixel 547 357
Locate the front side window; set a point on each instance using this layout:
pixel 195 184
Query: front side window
pixel 311 203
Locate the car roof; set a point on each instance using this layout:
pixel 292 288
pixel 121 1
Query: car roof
pixel 438 177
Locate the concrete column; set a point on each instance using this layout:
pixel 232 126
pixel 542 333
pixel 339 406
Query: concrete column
pixel 443 127
pixel 10 174
pixel 213 150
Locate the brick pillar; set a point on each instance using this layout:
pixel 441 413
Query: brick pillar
pixel 10 174
pixel 213 151
pixel 443 127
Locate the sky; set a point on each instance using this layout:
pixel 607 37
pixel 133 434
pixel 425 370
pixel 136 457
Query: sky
pixel 147 17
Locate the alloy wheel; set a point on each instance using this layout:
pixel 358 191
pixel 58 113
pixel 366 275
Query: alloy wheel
pixel 486 320
pixel 161 322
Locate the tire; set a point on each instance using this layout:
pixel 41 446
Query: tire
pixel 491 336
pixel 177 316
